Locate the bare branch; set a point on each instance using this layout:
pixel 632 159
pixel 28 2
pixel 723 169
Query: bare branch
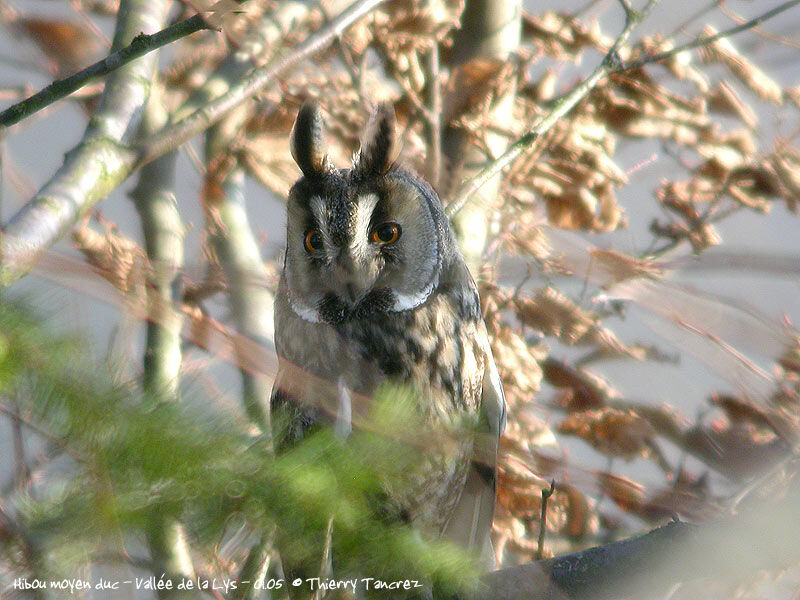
pixel 626 6
pixel 649 565
pixel 235 248
pixel 765 34
pixel 163 230
pixel 434 116
pixel 706 40
pixel 61 88
pixel 97 165
pixel 543 519
pixel 608 66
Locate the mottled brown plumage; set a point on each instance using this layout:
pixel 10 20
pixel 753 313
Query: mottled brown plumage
pixel 374 290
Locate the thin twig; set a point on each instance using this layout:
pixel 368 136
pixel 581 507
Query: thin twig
pixel 22 472
pixel 708 39
pixel 61 88
pixel 13 414
pixel 543 519
pixel 765 34
pixel 700 13
pixel 173 136
pixel 434 117
pixel 609 65
pixel 355 72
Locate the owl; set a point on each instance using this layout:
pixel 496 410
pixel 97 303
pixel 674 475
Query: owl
pixel 374 291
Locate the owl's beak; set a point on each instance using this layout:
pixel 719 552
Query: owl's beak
pixel 355 284
pixel 353 293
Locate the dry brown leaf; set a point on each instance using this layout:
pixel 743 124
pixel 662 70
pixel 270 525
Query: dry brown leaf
pixel 580 390
pixel 561 36
pixel 729 149
pixel 581 518
pixel 722 98
pixel 518 364
pixel 627 494
pixel 406 26
pixel 530 240
pixel 618 433
pixel 554 314
pixel 617 267
pixel 786 164
pixel 740 411
pixel 682 199
pixel 470 84
pixel 69 46
pixel 267 158
pixel 679 64
pixel 690 504
pixel 746 72
pixel 116 258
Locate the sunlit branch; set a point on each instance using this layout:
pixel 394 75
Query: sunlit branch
pixel 97 165
pixel 706 40
pixel 607 66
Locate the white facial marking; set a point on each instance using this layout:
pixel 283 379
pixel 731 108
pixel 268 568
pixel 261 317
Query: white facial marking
pixel 303 310
pixel 317 205
pixel 408 301
pixel 365 205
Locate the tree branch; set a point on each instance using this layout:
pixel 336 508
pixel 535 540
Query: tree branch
pixel 258 46
pixel 490 30
pixel 163 230
pixel 236 249
pixel 609 65
pixel 650 565
pixel 706 40
pixel 61 88
pixel 97 165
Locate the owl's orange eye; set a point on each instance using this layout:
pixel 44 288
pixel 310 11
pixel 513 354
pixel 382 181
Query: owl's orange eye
pixel 313 241
pixel 388 233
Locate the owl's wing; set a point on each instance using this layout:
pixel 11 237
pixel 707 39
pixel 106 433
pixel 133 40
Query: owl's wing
pixel 470 525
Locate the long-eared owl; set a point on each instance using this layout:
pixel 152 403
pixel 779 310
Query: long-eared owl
pixel 374 291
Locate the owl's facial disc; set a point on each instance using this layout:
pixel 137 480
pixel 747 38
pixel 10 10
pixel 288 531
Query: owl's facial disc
pixel 360 248
pixel 353 257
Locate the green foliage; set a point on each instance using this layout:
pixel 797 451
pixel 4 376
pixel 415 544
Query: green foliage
pixel 127 460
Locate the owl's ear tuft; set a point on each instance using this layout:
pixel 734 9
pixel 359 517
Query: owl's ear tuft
pixel 377 144
pixel 308 141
